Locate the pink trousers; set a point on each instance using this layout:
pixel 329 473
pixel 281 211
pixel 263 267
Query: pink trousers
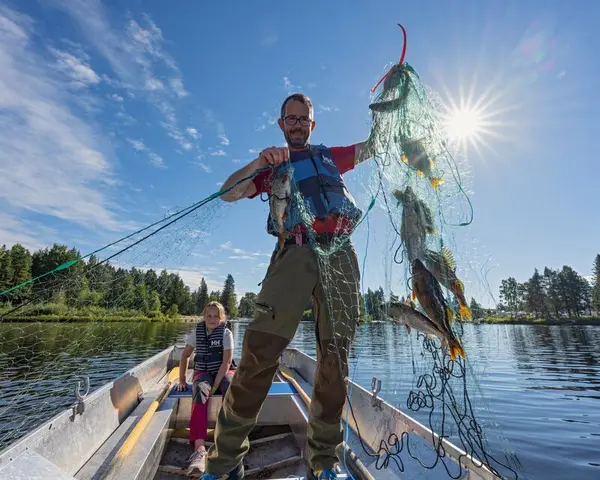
pixel 201 387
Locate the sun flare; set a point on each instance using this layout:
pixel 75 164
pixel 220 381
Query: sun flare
pixel 464 124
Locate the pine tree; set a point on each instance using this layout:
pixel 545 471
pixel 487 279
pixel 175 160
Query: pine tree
pixel 228 297
pixel 596 285
pixel 203 298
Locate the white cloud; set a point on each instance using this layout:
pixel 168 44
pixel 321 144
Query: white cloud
pixel 14 230
pixel 153 84
pixel 52 162
pixel 126 119
pixel 204 167
pixel 219 184
pixel 117 98
pixel 210 118
pixel 192 132
pixel 193 277
pixel 178 88
pixel 239 254
pixel 75 68
pixel 137 144
pixel 267 120
pixel 254 150
pixel 219 153
pixel 133 52
pixel 156 160
pixel 289 86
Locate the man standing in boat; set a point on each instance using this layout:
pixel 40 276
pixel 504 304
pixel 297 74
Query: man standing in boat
pixel 292 278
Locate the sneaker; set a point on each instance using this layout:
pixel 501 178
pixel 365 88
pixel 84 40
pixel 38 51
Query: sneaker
pixel 329 474
pixel 197 462
pixel 236 474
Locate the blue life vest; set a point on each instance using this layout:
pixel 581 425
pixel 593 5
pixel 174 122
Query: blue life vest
pixel 209 349
pixel 317 179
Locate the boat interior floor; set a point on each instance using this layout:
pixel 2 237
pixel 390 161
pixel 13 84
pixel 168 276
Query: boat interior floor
pixel 274 454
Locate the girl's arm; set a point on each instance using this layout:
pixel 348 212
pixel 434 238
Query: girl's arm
pixel 227 359
pixel 183 363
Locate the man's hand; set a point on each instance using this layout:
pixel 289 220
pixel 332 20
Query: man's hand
pixel 273 156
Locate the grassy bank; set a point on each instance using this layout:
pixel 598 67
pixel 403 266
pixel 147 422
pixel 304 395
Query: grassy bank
pixel 55 312
pixel 541 321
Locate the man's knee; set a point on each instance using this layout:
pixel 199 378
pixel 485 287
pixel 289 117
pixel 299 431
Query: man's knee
pixel 255 372
pixel 330 385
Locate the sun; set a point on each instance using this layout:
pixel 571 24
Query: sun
pixel 464 124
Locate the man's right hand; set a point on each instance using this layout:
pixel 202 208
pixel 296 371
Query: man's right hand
pixel 273 156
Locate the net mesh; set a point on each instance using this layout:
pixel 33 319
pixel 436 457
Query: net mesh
pixel 408 151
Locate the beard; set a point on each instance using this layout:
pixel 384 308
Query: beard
pixel 296 137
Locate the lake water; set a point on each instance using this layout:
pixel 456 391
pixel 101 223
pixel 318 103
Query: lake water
pixel 535 390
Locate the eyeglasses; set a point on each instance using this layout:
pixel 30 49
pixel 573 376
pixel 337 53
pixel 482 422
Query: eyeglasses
pixel 293 120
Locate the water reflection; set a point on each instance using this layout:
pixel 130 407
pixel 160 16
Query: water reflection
pixel 533 388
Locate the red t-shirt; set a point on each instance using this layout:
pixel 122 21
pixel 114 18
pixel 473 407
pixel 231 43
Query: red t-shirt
pixel 344 158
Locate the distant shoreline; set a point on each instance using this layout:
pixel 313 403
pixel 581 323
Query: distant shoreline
pixel 541 321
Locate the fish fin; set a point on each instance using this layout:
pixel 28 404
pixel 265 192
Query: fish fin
pixel 465 312
pixel 414 295
pixel 419 173
pixel 450 315
pixel 460 285
pixel 436 182
pixel 456 349
pixel 399 195
pixel 431 164
pixel 403 158
pixel 449 259
pixel 282 236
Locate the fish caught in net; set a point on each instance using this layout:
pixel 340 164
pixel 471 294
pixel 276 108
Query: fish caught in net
pixel 411 181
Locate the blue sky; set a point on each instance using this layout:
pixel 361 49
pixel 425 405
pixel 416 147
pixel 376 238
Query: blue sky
pixel 113 114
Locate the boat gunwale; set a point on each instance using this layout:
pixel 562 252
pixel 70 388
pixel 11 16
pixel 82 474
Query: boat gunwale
pixel 37 436
pixel 459 456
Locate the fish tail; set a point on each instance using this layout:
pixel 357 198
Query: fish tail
pixel 403 158
pixel 465 312
pixel 436 182
pixel 456 349
pixel 419 173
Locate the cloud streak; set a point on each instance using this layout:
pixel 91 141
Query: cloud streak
pixel 52 163
pixel 135 54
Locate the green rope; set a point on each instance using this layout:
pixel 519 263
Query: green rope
pixel 187 211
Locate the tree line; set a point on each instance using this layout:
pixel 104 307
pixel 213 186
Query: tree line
pixel 96 286
pixel 552 294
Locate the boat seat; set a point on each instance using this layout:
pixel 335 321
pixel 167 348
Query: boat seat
pixel 277 388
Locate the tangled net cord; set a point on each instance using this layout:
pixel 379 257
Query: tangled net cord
pixel 469 431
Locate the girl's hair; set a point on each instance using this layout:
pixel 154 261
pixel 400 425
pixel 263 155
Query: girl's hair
pixel 218 306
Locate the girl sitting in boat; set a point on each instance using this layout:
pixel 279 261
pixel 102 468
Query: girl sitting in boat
pixel 213 370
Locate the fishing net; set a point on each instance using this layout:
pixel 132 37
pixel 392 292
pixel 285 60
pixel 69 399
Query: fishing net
pixel 139 277
pixel 94 315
